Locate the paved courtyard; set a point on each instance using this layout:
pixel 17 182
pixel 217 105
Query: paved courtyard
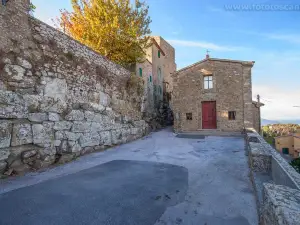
pixel 160 179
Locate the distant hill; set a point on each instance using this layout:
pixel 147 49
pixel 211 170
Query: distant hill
pixel 265 122
pixel 290 121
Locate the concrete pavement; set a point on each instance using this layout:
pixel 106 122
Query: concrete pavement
pixel 159 180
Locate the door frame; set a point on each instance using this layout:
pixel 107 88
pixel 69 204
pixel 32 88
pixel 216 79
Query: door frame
pixel 215 115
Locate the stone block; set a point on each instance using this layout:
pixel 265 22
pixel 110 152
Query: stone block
pixel 65 158
pixel 12 105
pixel 5 134
pixel 60 135
pixel 56 143
pixel 24 63
pixel 21 169
pixel 56 89
pixel 104 99
pixel 3 166
pixel 135 131
pixel 89 139
pixel 21 135
pixel 87 150
pixel 37 117
pixel 52 105
pixel 28 154
pixel 72 136
pixel 38 164
pixel 93 107
pixel 81 127
pixel 98 127
pixel 4 153
pixel 43 133
pixel 75 115
pixel 73 146
pixel 54 117
pixel 47 151
pixel 16 152
pixel 15 72
pixel 105 138
pixel 126 135
pixel 62 125
pixel 116 137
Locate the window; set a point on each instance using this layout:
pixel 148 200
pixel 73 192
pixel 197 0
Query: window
pixel 159 73
pixel 189 116
pixel 208 82
pixel 141 72
pixel 160 90
pixel 158 53
pixel 150 78
pixel 231 115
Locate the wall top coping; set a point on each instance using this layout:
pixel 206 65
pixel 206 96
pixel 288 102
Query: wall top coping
pixel 263 148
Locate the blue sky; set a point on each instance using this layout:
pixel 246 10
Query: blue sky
pixel 271 38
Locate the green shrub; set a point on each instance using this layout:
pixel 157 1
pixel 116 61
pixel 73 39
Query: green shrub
pixel 296 164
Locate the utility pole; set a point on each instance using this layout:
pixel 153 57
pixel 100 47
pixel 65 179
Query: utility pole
pixel 258 98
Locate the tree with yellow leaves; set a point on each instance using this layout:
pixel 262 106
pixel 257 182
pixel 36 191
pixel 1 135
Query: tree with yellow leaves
pixel 116 29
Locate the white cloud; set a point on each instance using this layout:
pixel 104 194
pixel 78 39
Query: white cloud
pixel 203 44
pixel 292 38
pixel 279 102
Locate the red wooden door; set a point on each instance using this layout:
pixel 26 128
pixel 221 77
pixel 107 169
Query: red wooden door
pixel 209 117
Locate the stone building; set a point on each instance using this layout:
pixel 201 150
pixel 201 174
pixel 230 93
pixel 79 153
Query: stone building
pixel 215 94
pixel 289 144
pixel 156 71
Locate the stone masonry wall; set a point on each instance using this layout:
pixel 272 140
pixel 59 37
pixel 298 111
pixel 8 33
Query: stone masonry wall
pixel 169 62
pixel 58 98
pixel 228 92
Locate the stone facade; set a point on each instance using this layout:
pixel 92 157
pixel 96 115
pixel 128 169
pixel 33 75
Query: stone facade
pixel 290 142
pixel 58 98
pixel 156 71
pixel 232 91
pixel 169 66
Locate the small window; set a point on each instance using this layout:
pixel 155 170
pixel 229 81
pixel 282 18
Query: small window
pixel 160 91
pixel 231 115
pixel 208 82
pixel 150 78
pixel 159 73
pixel 141 72
pixel 158 53
pixel 189 116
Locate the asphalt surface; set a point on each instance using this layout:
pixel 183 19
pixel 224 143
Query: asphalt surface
pixel 158 180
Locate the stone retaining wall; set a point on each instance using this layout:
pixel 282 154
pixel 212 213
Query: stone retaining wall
pixel 281 195
pixel 58 98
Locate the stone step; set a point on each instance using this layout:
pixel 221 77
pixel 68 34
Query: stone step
pixel 209 133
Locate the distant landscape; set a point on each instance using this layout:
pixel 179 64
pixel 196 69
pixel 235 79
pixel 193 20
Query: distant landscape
pixel 269 122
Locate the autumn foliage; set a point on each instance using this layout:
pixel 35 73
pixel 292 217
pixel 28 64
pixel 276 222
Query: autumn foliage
pixel 116 29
